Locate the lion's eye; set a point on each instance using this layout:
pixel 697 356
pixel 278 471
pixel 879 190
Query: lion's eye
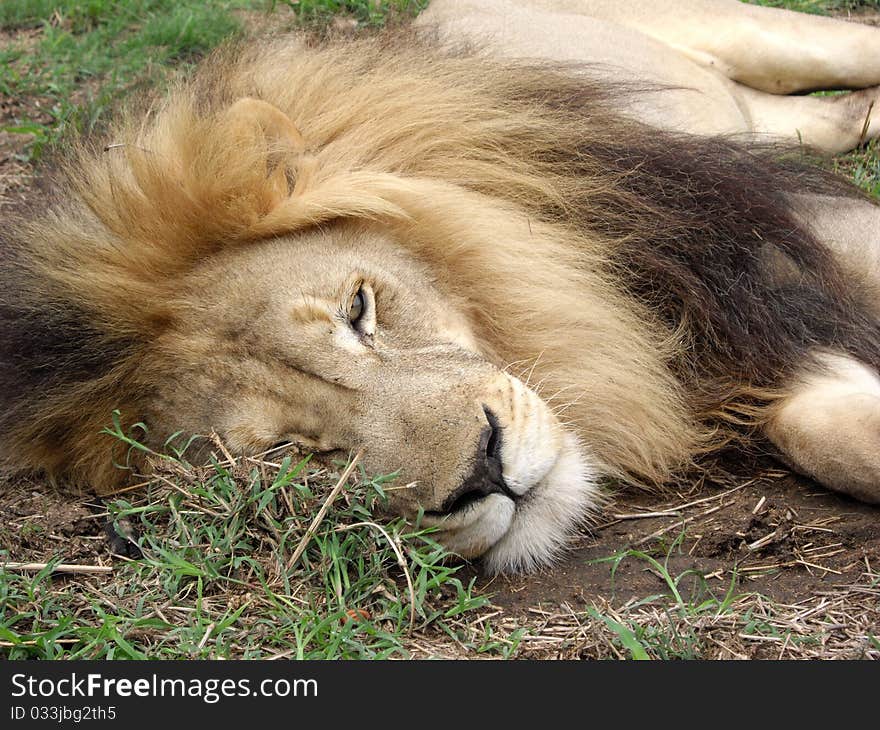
pixel 357 308
pixel 361 313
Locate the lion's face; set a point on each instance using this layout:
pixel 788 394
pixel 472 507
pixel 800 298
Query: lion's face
pixel 337 340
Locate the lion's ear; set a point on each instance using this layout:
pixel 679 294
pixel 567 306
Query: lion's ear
pixel 255 121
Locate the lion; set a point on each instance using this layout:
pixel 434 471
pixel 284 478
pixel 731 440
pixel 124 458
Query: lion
pixel 486 257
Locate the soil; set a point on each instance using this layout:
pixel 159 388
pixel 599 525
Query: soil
pixel 16 175
pixel 39 523
pixel 779 535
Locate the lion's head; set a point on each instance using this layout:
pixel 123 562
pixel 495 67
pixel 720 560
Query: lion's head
pixel 336 339
pixel 343 247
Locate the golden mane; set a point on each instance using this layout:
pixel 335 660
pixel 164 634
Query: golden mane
pixel 477 167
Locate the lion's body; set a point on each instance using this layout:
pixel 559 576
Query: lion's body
pixel 656 292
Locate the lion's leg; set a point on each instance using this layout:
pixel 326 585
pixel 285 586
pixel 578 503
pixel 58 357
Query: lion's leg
pixel 828 124
pixel 777 51
pixel 850 227
pixel 828 427
pixel 692 48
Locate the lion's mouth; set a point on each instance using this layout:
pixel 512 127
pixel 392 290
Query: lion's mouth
pixel 461 501
pixel 470 508
pixel 521 532
pixel 476 527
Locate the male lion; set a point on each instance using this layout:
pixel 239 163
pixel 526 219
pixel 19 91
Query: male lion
pixel 571 251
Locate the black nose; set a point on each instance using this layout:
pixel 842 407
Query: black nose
pixel 486 477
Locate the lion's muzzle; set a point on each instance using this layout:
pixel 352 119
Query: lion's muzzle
pixel 529 485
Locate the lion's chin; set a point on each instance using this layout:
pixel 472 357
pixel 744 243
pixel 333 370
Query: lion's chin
pixel 521 536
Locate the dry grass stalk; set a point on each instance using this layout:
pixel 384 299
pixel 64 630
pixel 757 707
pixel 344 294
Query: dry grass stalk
pixel 59 568
pixel 300 549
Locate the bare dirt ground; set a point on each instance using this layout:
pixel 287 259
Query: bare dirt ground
pixel 801 563
pixel 781 535
pixel 16 174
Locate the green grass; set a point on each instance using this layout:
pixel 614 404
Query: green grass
pixel 863 166
pixel 684 620
pixel 217 579
pixel 89 54
pixel 820 7
pixel 687 600
pixel 363 12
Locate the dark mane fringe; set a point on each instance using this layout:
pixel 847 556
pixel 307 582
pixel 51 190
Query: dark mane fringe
pixel 729 260
pixel 60 368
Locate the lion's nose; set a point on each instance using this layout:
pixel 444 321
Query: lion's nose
pixel 486 477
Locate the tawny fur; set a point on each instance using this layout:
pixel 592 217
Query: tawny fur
pixel 476 167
